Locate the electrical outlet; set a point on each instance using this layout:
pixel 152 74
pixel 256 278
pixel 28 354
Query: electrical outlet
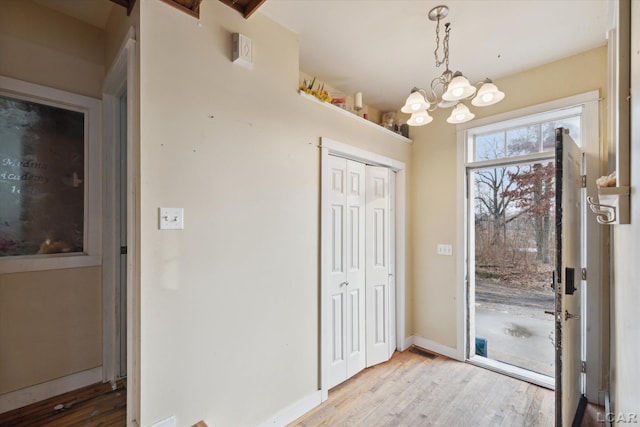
pixel 445 249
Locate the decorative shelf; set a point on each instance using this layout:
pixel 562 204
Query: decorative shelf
pixel 612 206
pixel 354 117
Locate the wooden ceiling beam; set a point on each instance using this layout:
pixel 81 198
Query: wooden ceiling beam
pixel 192 7
pixel 127 4
pixel 245 7
pixel 252 7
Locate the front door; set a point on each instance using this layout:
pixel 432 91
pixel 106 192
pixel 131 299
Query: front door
pixel 568 278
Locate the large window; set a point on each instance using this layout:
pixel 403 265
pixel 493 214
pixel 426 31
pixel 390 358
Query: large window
pixel 49 178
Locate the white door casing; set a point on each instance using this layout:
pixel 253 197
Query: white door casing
pixel 121 78
pixel 378 265
pixel 346 277
pixel 392 264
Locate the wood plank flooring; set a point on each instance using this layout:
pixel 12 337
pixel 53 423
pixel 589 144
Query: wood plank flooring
pixel 95 405
pixel 414 390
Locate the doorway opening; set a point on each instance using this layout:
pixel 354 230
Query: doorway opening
pixel 121 292
pixel 510 171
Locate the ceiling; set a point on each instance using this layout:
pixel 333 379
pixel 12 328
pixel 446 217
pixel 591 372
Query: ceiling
pixel 385 47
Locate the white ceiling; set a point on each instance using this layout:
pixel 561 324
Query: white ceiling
pixel 385 47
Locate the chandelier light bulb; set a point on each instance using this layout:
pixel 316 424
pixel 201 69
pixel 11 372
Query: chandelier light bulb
pixel 459 88
pixel 419 118
pixel 460 114
pixel 415 102
pixel 488 94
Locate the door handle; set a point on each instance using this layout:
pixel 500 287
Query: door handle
pixel 344 283
pixel 553 313
pixel 568 316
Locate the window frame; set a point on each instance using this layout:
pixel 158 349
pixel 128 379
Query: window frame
pixel 91 254
pixel 505 126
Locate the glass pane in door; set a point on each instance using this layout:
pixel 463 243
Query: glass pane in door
pixel 513 235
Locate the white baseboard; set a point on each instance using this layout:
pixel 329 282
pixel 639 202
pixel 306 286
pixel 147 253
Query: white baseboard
pixel 294 411
pixel 406 343
pixel 438 348
pixel 26 396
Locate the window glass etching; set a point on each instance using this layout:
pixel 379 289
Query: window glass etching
pixel 42 167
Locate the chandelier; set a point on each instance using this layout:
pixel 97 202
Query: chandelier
pixel 449 89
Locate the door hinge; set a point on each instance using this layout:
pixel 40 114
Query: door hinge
pixel 123 250
pixel 583 367
pixel 584 181
pixel 584 274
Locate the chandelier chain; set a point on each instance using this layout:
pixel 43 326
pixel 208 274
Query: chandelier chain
pixel 445 45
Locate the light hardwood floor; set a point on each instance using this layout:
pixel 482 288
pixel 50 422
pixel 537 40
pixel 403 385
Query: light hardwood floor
pixel 415 390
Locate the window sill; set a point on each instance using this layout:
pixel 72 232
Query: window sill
pixel 47 262
pixel 354 117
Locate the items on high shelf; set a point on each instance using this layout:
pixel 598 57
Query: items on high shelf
pixel 314 89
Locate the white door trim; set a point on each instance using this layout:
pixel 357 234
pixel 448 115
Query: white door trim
pixel 331 147
pixel 122 74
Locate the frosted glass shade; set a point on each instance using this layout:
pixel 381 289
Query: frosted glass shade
pixel 419 118
pixel 415 102
pixel 460 114
pixel 488 94
pixel 459 88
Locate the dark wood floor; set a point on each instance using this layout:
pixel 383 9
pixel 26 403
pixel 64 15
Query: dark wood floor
pixel 414 390
pixel 96 405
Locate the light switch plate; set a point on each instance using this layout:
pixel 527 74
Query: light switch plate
pixel 171 218
pixel 445 249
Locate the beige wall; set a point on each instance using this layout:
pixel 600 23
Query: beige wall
pixel 50 321
pixel 50 325
pixel 434 198
pixel 42 46
pixel 115 32
pixel 230 304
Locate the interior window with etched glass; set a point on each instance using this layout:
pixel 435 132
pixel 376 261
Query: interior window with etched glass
pixel 42 168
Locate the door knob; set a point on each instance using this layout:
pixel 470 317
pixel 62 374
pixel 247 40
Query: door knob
pixel 568 316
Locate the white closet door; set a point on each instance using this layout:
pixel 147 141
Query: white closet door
pixel 377 263
pixel 347 269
